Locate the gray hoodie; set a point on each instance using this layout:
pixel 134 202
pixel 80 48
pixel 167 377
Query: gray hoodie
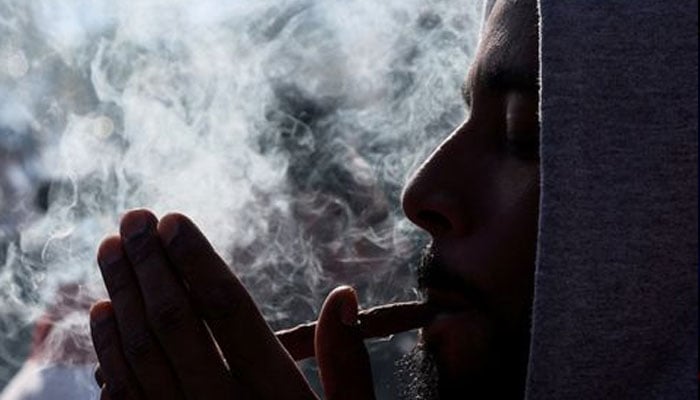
pixel 615 314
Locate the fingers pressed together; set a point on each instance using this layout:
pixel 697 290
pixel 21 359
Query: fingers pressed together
pixel 180 325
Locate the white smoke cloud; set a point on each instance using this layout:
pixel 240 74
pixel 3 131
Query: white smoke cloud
pixel 285 129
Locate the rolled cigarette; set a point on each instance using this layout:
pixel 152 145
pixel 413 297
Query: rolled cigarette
pixel 375 322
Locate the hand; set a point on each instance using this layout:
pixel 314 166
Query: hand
pixel 180 325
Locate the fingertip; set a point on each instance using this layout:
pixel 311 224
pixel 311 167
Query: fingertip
pixel 102 328
pixel 136 222
pixel 100 311
pixel 343 290
pixel 169 226
pixel 184 241
pixel 344 298
pixel 110 250
pixel 135 213
pixel 337 323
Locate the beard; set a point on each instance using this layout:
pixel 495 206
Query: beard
pixel 495 354
pixel 416 372
pixel 417 375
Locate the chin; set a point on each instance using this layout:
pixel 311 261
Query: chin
pixel 472 359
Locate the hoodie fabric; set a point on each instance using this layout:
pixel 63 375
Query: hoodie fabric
pixel 615 313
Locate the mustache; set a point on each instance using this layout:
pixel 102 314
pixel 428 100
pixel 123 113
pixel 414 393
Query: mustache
pixel 434 273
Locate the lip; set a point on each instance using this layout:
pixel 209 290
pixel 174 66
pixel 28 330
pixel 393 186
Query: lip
pixel 458 319
pixel 453 306
pixel 449 301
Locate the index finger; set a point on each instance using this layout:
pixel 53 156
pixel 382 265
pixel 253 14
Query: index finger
pixel 248 344
pixel 179 332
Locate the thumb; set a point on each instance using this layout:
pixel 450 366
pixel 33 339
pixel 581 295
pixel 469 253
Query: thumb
pixel 343 361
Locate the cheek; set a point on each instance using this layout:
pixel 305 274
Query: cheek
pixel 512 277
pixel 506 246
pixel 516 185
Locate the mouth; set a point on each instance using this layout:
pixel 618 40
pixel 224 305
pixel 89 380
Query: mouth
pixel 449 301
pixel 461 320
pixel 454 309
pixel 459 337
pixel 447 291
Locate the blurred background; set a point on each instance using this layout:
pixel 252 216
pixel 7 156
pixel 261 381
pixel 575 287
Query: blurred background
pixel 284 128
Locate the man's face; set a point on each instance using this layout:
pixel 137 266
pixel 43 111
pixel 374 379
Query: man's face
pixel 477 195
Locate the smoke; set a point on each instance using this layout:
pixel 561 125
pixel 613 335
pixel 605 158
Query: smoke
pixel 285 129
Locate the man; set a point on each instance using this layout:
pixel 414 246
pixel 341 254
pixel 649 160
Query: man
pixel 477 195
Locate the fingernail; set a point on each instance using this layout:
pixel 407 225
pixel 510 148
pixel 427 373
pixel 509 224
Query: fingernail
pixel 348 310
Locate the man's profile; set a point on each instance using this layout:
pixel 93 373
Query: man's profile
pixel 477 196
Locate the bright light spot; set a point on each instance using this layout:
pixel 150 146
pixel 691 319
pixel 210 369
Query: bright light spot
pixel 103 127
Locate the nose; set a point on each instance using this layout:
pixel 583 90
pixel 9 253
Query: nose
pixel 442 195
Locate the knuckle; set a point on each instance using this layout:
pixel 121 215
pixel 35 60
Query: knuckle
pixel 167 317
pixel 220 302
pixel 138 345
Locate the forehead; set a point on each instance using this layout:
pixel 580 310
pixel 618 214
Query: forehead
pixel 508 49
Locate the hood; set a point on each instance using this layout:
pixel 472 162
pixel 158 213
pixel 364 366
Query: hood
pixel 615 310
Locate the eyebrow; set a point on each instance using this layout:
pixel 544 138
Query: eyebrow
pixel 508 79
